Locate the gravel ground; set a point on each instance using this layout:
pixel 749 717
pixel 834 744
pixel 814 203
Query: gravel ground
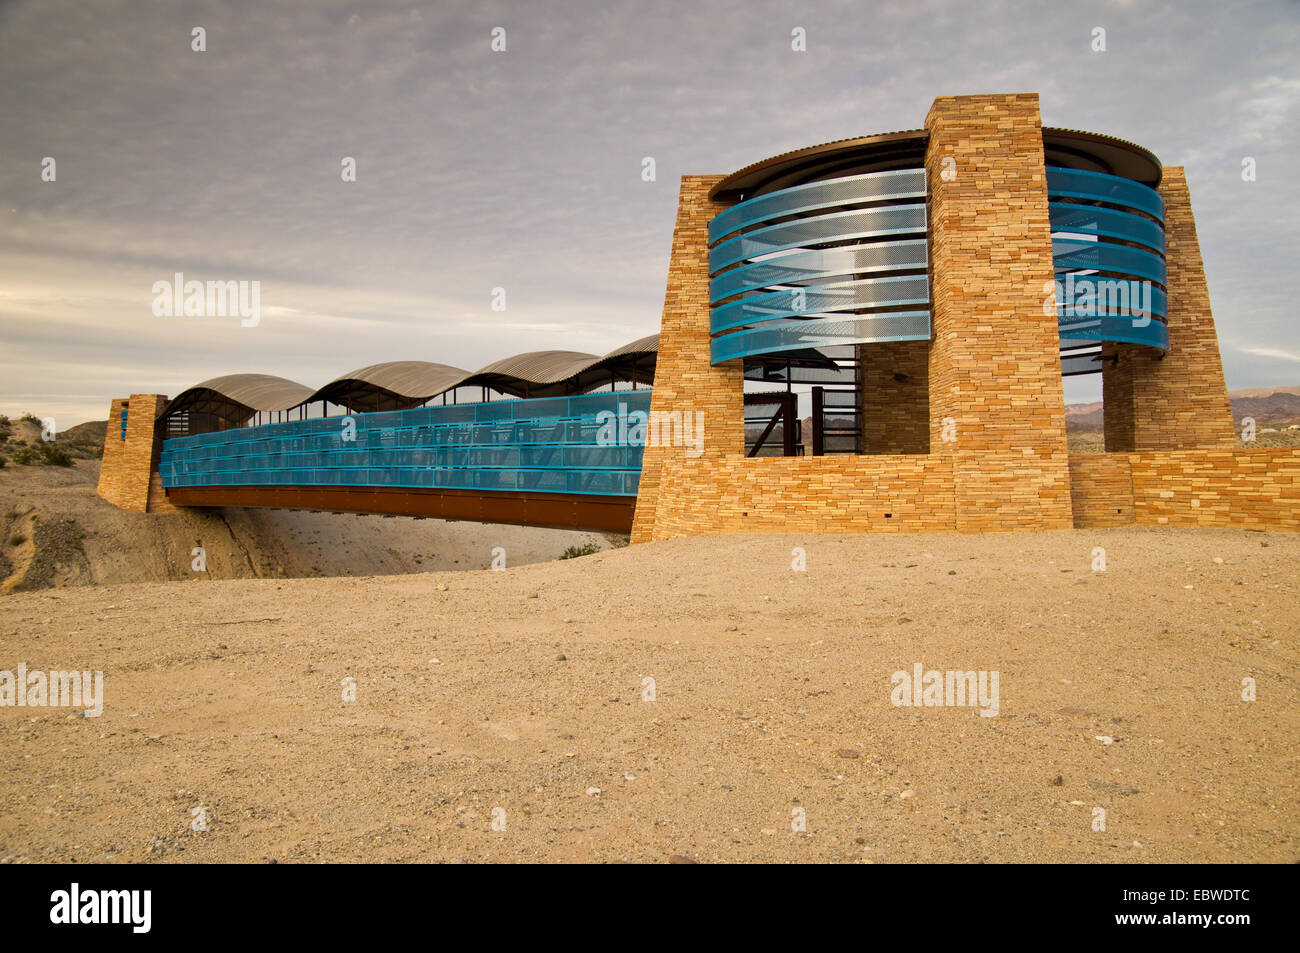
pixel 516 700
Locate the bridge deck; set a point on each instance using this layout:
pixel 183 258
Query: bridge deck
pixel 611 514
pixel 565 462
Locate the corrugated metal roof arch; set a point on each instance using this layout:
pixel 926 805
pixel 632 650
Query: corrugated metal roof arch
pixel 540 367
pixel 254 391
pixel 396 384
pixel 399 384
pixel 646 345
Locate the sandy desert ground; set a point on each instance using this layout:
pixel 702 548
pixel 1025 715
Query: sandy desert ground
pixel 517 697
pixel 69 536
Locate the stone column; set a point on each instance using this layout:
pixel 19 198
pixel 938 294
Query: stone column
pixel 995 374
pixel 1180 401
pixel 685 381
pixel 128 465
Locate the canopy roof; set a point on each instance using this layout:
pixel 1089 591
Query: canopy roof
pixel 400 384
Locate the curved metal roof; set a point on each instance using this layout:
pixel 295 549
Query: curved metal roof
pixel 234 397
pixel 549 373
pixel 540 367
pixel 1095 152
pixel 873 153
pixel 260 391
pixel 646 345
pixel 1071 148
pixel 397 385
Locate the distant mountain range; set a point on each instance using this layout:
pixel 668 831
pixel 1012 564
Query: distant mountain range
pixel 1269 406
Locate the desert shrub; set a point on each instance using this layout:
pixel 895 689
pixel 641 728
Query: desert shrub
pixel 44 455
pixel 586 549
pixel 31 418
pixel 17 539
pixel 53 456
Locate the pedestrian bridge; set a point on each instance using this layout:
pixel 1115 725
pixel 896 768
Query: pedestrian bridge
pixel 550 461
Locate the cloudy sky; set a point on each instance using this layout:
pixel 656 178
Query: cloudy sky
pixel 522 169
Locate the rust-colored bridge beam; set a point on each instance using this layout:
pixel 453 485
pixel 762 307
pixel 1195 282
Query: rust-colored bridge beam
pixel 612 514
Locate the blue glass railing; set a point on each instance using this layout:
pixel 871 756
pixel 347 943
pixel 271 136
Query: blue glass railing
pixel 549 445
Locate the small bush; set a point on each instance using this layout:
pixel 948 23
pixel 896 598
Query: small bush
pixel 55 456
pixel 586 549
pixel 17 539
pixel 43 454
pixel 31 418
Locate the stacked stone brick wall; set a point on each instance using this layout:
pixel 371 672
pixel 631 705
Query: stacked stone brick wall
pixel 1101 490
pixel 158 502
pixel 685 380
pixel 1178 402
pixel 1246 488
pixel 995 374
pixel 1255 489
pixel 110 467
pixel 127 469
pixel 894 387
pixel 1119 362
pixel 834 494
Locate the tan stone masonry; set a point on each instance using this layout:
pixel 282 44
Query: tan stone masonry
pixel 128 473
pixel 1179 401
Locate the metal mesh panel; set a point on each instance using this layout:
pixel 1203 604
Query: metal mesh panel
pixel 1110 328
pixel 808 267
pixel 1092 220
pixel 819 332
pixel 1081 362
pixel 1117 296
pixel 1098 186
pixel 1104 256
pixel 911 292
pixel 855 189
pixel 819 230
pixel 552 444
